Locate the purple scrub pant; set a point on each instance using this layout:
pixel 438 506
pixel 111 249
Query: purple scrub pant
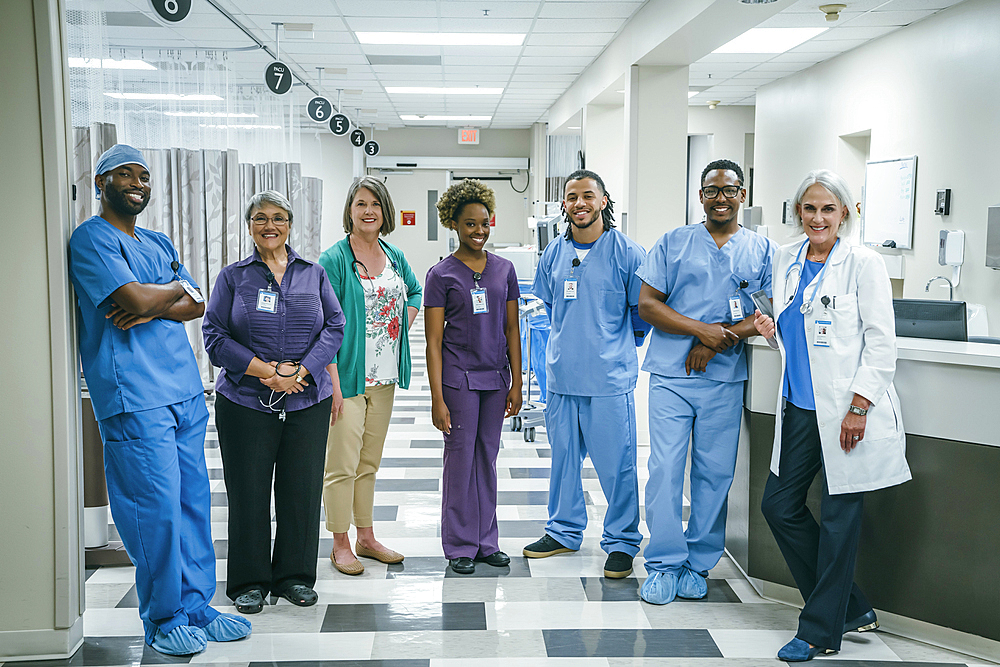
pixel 469 480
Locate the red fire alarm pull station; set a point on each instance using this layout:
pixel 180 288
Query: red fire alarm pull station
pixel 408 218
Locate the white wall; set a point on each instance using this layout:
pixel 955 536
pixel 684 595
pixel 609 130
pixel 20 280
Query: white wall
pixel 928 90
pixel 728 127
pixel 409 193
pixel 604 146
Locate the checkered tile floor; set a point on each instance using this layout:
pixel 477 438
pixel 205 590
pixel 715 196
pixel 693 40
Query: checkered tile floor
pixel 558 611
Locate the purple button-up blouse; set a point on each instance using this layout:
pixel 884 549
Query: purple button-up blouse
pixel 307 327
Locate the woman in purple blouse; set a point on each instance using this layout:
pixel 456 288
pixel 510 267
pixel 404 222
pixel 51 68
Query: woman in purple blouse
pixel 273 323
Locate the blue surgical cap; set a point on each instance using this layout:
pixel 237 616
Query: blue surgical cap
pixel 115 157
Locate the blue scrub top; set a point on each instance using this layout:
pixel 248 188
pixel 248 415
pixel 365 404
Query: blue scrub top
pixel 591 349
pixel 698 278
pixel 798 387
pixel 149 366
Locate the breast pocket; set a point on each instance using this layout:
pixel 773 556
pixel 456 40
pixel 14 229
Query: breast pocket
pixel 844 315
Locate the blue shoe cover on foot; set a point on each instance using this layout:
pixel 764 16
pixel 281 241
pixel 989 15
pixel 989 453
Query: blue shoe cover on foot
pixel 659 588
pixel 691 585
pixel 182 640
pixel 798 650
pixel 227 628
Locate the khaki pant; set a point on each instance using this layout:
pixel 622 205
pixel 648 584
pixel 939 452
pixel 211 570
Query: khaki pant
pixel 353 454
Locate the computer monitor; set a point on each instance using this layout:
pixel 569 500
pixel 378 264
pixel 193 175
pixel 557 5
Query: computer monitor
pixel 923 318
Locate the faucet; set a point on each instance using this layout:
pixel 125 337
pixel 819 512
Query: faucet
pixel 951 288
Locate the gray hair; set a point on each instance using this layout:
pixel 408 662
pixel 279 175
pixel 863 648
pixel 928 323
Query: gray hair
pixel 268 197
pixel 836 186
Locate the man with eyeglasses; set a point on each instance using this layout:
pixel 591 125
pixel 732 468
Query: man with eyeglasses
pixel 697 282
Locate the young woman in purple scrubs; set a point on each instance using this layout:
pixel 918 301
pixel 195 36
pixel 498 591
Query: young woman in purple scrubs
pixel 473 343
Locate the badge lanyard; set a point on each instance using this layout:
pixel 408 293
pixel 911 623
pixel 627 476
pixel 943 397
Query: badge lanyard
pixel 267 298
pixel 188 287
pixel 735 303
pixel 480 305
pixel 570 284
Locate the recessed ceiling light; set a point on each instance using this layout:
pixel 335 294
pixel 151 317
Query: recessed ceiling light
pixel 165 96
pixel 769 40
pixel 428 117
pixel 573 127
pixel 692 93
pixel 441 38
pixel 209 114
pixel 108 63
pixel 431 90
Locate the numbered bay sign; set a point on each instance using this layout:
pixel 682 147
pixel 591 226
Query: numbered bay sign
pixel 358 138
pixel 171 10
pixel 340 124
pixel 371 148
pixel 319 109
pixel 278 77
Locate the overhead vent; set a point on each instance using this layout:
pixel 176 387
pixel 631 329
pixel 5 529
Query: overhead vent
pixel 404 60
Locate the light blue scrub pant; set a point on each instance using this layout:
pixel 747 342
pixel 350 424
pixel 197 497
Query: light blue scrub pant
pixel 604 427
pixel 161 502
pixel 706 414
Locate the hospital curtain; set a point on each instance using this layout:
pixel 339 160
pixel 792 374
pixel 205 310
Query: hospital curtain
pixel 88 144
pixel 564 157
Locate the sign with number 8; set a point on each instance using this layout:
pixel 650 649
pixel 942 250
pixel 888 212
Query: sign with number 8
pixel 171 10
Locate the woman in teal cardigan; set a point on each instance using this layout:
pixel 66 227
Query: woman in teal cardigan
pixel 380 297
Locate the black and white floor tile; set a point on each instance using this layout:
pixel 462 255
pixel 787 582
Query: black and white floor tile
pixel 555 612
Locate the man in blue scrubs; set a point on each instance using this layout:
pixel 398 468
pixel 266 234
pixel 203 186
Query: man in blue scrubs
pixel 133 297
pixel 588 284
pixel 697 282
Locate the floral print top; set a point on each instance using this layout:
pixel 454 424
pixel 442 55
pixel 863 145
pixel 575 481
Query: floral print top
pixel 385 300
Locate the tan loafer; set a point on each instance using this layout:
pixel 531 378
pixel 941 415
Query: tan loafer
pixel 389 556
pixel 352 569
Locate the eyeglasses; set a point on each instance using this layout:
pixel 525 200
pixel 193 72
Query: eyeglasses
pixel 730 191
pixel 261 220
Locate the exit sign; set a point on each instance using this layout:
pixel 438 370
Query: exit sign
pixel 468 135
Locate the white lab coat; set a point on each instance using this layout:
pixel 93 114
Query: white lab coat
pixel 861 359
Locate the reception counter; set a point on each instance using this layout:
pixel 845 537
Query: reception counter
pixel 930 549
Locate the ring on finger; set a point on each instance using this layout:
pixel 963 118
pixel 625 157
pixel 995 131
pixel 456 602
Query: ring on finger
pixel 856 437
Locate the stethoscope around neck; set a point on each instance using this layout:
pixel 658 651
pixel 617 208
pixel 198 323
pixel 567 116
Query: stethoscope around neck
pixel 357 262
pixel 807 304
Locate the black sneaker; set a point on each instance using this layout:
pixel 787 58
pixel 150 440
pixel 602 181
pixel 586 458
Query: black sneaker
pixel 544 548
pixel 496 559
pixel 618 565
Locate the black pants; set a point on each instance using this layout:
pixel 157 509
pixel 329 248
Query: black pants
pixel 821 556
pixel 256 446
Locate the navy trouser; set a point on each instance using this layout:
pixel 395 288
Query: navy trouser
pixel 821 556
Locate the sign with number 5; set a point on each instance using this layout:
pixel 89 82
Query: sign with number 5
pixel 171 11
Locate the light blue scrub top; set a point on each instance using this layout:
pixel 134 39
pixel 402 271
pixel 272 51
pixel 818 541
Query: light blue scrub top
pixel 591 349
pixel 149 366
pixel 698 278
pixel 798 387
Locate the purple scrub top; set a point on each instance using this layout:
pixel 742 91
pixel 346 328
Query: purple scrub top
pixel 474 349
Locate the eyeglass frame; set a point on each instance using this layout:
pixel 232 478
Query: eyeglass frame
pixel 260 220
pixel 739 188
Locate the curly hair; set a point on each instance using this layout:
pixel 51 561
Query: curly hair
pixel 469 191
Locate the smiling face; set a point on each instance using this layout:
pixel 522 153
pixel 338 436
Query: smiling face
pixel 584 201
pixel 821 215
pixel 269 227
pixel 472 223
pixel 125 189
pixel 721 209
pixel 366 212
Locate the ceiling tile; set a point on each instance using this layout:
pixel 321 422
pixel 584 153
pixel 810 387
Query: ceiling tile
pixel 574 27
pixel 391 24
pixel 383 8
pixel 838 45
pixel 574 50
pixel 890 18
pixel 587 10
pixel 556 39
pixel 854 32
pixel 500 10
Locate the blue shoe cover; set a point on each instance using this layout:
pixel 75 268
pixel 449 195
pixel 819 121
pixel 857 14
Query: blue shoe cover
pixel 798 650
pixel 182 640
pixel 659 588
pixel 227 628
pixel 691 585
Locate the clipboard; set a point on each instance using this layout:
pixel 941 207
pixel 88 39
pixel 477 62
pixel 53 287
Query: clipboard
pixel 764 306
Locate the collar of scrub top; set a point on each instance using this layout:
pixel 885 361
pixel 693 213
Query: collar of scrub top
pixel 478 275
pixel 114 157
pixel 806 306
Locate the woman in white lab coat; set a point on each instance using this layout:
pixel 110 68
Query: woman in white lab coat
pixel 837 410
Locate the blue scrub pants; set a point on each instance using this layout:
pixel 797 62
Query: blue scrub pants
pixel 705 414
pixel 161 502
pixel 820 556
pixel 604 427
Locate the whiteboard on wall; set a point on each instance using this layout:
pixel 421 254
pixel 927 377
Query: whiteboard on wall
pixel 887 209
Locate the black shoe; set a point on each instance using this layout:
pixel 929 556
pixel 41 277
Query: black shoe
pixel 618 565
pixel 545 547
pixel 298 594
pixel 463 565
pixel 251 602
pixel 863 623
pixel 496 559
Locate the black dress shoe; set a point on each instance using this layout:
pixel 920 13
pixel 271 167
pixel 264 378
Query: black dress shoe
pixel 463 565
pixel 251 602
pixel 298 594
pixel 496 559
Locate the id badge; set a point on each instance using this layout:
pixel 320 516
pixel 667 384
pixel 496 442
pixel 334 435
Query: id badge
pixel 480 306
pixel 821 334
pixel 267 301
pixel 569 290
pixel 736 308
pixel 192 292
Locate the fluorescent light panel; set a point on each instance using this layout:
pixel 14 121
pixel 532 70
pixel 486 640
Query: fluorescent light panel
pixel 441 38
pixel 242 127
pixel 769 40
pixel 108 63
pixel 432 90
pixel 413 117
pixel 209 114
pixel 165 96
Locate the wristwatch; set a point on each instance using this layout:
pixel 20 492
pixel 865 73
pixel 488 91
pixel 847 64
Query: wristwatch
pixel 856 410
